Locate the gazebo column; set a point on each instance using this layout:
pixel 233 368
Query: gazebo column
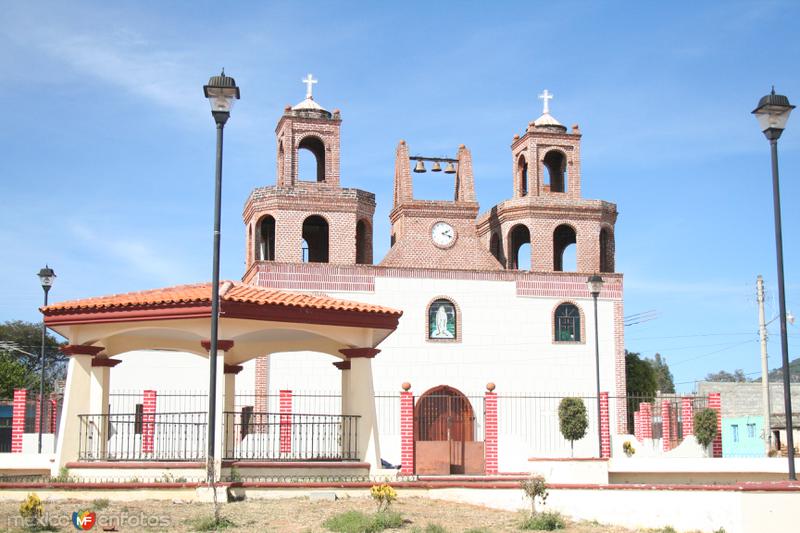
pixel 231 438
pixel 344 366
pixel 219 402
pixel 77 394
pixel 359 397
pixel 100 384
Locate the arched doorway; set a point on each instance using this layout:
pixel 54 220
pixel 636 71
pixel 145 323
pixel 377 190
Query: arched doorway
pixel 444 434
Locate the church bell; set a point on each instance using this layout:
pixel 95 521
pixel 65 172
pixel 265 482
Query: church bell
pixel 420 167
pixel 450 169
pixel 436 167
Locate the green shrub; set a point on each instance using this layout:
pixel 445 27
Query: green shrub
pixel 705 426
pixel 208 523
pixel 572 420
pixel 434 528
pixel 546 521
pixel 99 504
pixel 358 522
pixel 63 476
pixel 234 474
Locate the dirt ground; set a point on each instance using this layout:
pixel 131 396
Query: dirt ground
pixel 290 515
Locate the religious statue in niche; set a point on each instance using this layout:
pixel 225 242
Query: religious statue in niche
pixel 442 320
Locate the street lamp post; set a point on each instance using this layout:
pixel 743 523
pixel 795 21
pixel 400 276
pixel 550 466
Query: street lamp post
pixel 595 285
pixel 772 113
pixel 46 276
pixel 221 92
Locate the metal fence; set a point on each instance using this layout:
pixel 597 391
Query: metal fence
pixel 675 409
pixel 290 437
pixel 142 436
pixel 121 401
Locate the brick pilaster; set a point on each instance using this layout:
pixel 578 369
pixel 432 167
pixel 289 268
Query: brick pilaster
pixel 285 407
pixel 666 426
pixel 687 416
pixel 38 416
pixel 148 421
pixel 407 432
pixel 646 420
pixel 490 438
pixel 53 415
pixel 261 384
pixel 605 431
pixel 715 403
pixel 637 425
pixel 18 419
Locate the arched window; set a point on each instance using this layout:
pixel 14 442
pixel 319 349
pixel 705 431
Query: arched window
pixel 522 168
pixel 555 162
pixel 315 235
pixel 520 259
pixel 606 250
pixel 363 243
pixel 280 162
pixel 443 320
pixel 265 239
pixel 563 237
pixel 494 246
pixel 305 167
pixel 567 323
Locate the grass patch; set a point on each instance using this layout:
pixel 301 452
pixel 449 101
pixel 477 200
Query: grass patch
pixel 478 530
pixel 430 528
pixel 207 523
pixel 99 504
pixel 546 521
pixel 358 522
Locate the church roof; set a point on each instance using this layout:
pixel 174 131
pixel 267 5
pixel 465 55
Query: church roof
pixel 547 120
pixel 308 105
pixel 200 294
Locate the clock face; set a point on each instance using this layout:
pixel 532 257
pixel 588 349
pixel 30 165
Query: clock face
pixel 443 234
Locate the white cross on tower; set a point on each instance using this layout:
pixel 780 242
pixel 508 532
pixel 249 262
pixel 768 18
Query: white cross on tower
pixel 309 81
pixel 546 96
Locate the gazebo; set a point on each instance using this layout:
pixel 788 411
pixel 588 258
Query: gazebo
pixel 253 321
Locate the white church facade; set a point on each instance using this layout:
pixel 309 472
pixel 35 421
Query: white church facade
pixel 474 313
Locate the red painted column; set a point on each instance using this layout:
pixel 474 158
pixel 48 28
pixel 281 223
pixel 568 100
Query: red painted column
pixel 666 426
pixel 637 425
pixel 605 431
pixel 18 419
pixel 646 420
pixel 148 421
pixel 490 437
pixel 715 403
pixel 407 430
pixel 687 416
pixel 53 413
pixel 285 421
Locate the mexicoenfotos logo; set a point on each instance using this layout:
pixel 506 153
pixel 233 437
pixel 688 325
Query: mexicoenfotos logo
pixel 84 520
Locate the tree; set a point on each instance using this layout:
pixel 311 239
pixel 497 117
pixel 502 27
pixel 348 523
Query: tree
pixel 724 376
pixel 705 426
pixel 663 375
pixel 13 375
pixel 572 420
pixel 640 378
pixel 27 337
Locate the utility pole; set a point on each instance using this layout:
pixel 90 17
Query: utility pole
pixel 762 331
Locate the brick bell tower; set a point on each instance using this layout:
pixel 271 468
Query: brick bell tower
pixel 546 209
pixel 309 218
pixel 437 234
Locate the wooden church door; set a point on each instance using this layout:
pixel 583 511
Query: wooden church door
pixel 444 434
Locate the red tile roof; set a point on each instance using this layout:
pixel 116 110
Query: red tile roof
pixel 200 293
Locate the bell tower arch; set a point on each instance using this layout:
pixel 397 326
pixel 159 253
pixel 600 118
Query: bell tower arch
pixel 308 216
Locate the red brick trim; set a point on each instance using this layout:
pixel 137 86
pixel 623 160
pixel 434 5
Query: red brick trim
pixel 18 419
pixel 342 365
pixel 687 415
pixel 407 458
pixel 715 403
pixel 490 432
pixel 223 345
pixel 80 349
pixel 354 353
pixel 148 421
pixel 233 369
pixel 128 465
pixel 605 430
pixel 105 362
pixel 646 420
pixel 285 428
pixel 666 426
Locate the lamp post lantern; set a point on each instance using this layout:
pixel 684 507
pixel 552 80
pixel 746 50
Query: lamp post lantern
pixel 46 277
pixel 595 285
pixel 772 113
pixel 221 92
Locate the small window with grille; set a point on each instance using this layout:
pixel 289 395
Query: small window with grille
pixel 735 428
pixel 751 431
pixel 567 323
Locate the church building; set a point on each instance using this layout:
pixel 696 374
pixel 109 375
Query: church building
pixel 474 311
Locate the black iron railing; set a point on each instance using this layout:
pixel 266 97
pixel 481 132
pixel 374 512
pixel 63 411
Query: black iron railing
pixel 290 437
pixel 142 436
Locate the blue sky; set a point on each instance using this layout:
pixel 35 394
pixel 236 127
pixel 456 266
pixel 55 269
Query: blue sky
pixel 108 144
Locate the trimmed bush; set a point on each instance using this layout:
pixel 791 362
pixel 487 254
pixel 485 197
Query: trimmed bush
pixel 705 426
pixel 572 420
